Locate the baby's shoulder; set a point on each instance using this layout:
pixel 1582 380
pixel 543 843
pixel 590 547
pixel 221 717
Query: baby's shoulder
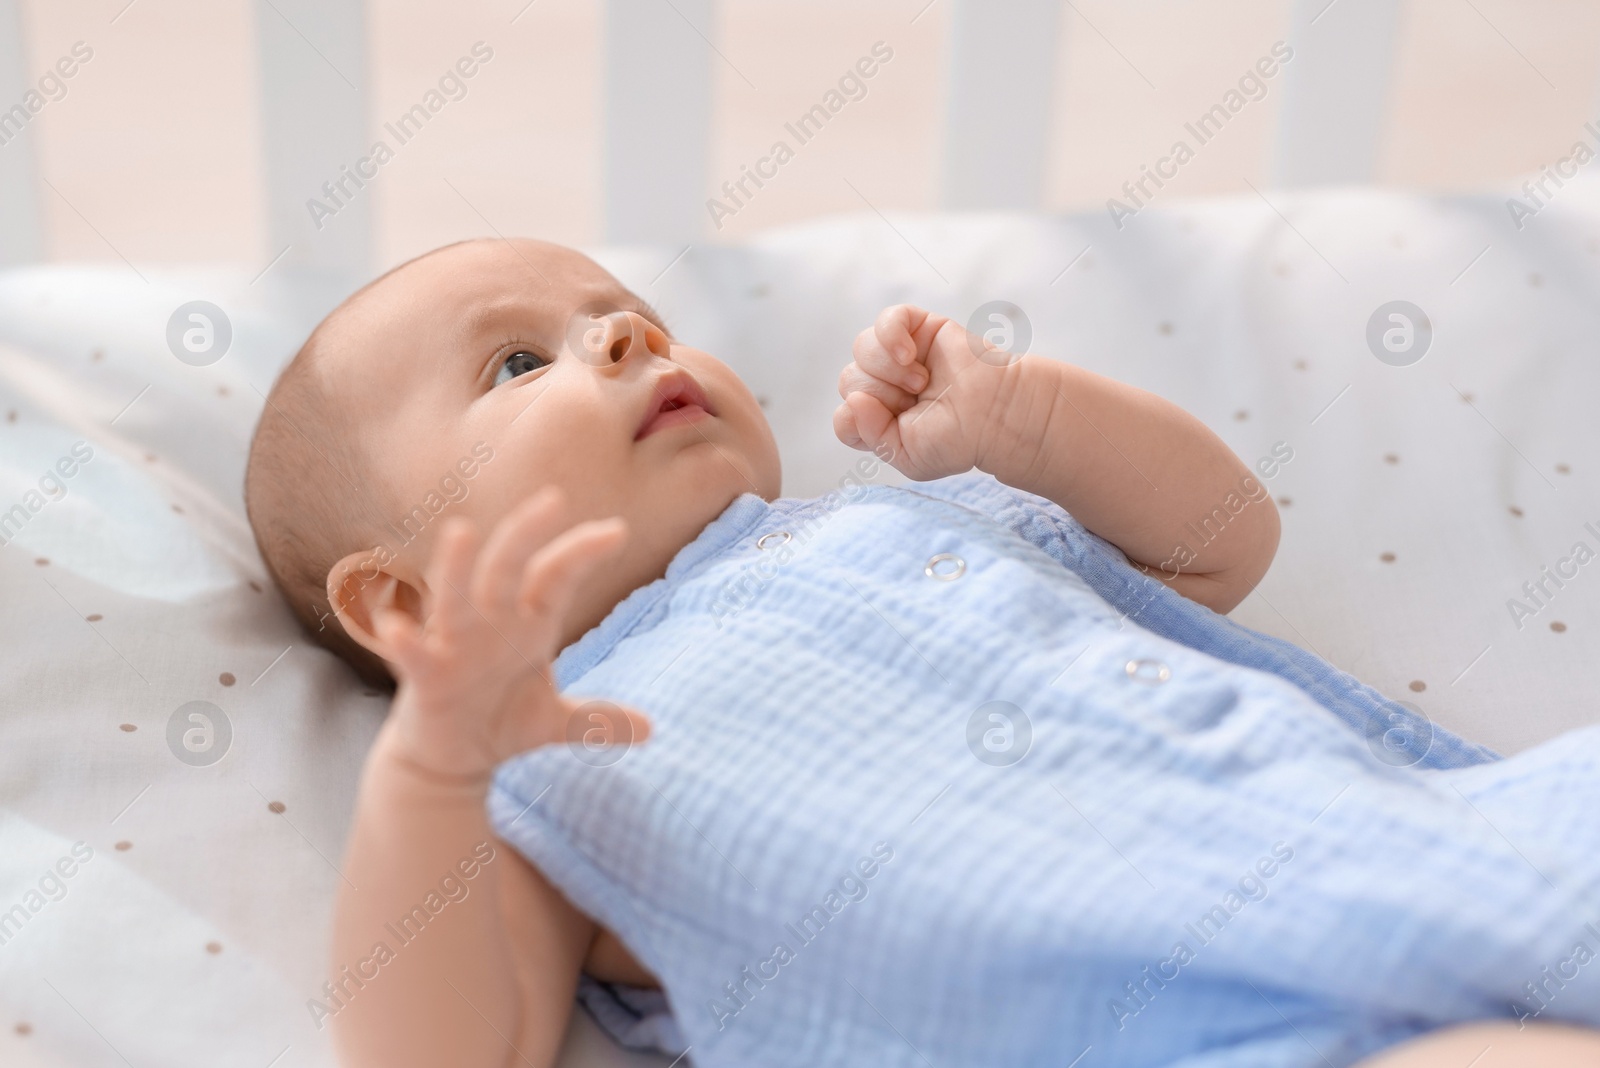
pixel 1032 518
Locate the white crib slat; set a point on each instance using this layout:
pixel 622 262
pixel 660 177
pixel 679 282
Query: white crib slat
pixel 1336 88
pixel 21 240
pixel 1002 61
pixel 313 69
pixel 657 59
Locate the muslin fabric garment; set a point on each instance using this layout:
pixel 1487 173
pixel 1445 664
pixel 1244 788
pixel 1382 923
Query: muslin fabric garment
pixel 1033 807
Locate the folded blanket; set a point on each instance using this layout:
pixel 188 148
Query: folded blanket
pixel 938 777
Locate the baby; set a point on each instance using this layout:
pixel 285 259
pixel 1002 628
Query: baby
pixel 494 476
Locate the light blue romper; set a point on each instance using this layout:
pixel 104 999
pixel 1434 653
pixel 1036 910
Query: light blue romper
pixel 939 779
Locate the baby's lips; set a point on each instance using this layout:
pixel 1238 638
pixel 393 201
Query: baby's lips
pixel 675 389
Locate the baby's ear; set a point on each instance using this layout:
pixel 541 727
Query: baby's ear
pixel 358 589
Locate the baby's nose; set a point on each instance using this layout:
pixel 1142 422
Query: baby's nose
pixel 627 334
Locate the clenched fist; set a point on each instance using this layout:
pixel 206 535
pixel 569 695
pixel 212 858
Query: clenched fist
pixel 933 397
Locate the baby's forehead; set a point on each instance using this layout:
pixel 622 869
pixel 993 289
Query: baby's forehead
pixel 467 276
pixel 449 296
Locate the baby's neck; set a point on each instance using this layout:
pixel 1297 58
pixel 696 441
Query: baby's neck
pixel 642 560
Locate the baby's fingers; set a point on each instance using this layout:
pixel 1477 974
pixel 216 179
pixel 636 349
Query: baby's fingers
pixel 530 525
pixel 855 379
pixel 449 575
pixel 895 329
pixel 592 724
pixel 874 424
pixel 875 359
pixel 401 636
pixel 551 578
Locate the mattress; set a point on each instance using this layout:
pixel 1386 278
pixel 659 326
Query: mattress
pixel 1437 502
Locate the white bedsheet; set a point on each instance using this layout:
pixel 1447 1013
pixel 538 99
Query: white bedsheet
pixel 200 940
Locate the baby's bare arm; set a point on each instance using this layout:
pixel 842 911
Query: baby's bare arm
pixel 1134 468
pixel 466 955
pixel 496 967
pixel 1142 473
pixel 1495 1044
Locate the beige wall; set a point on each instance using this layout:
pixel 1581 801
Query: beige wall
pixel 153 152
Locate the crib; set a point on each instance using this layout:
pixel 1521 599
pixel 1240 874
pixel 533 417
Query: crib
pixel 657 64
pixel 1431 507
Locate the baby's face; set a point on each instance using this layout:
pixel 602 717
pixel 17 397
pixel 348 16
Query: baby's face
pixel 537 353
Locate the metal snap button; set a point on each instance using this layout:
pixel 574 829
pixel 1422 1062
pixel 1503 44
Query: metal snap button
pixel 775 537
pixel 1149 672
pixel 957 568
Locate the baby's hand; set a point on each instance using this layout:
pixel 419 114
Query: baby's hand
pixel 918 386
pixel 475 677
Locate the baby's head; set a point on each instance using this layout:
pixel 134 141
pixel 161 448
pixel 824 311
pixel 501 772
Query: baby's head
pixel 459 384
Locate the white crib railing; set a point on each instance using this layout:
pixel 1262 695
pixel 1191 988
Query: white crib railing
pixel 659 63
pixel 657 142
pixel 997 103
pixel 1336 91
pixel 21 237
pixel 314 121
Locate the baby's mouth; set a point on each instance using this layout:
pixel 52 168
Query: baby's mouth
pixel 676 400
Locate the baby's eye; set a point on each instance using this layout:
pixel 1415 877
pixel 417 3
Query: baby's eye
pixel 517 364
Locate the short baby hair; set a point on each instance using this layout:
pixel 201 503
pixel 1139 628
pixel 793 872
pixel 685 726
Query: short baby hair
pixel 309 500
pixel 310 488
